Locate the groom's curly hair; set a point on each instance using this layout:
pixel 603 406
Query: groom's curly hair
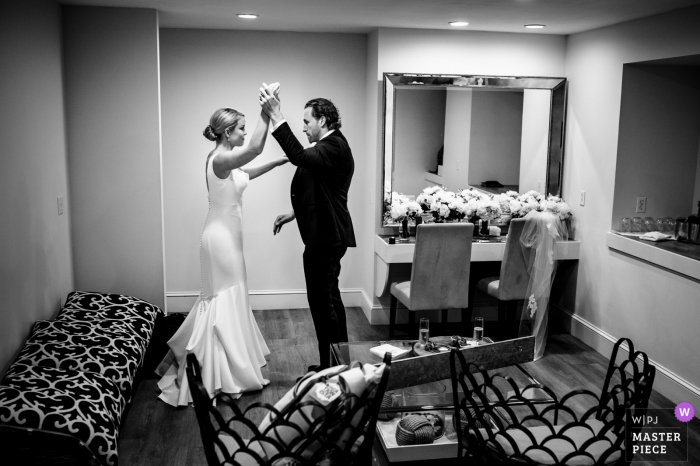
pixel 324 107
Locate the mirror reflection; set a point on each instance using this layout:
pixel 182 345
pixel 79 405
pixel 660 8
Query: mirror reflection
pixel 461 138
pixel 495 134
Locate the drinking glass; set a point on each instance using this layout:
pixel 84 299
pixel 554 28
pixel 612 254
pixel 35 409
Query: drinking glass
pixel 661 224
pixel 478 328
pixel 670 225
pixel 637 225
pixel 424 331
pixel 625 225
pixel 426 396
pixel 649 224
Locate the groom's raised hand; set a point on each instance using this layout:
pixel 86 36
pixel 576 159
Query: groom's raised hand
pixel 270 103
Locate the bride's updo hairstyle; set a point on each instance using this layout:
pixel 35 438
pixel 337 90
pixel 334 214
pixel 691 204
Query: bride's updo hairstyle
pixel 220 121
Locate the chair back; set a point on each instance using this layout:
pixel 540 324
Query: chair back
pixel 514 276
pixel 631 380
pixel 341 431
pixel 500 423
pixel 441 261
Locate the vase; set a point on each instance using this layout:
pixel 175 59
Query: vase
pixel 417 221
pixel 484 230
pixel 404 228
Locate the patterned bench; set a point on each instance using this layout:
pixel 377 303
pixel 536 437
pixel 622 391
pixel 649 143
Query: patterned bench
pixel 74 377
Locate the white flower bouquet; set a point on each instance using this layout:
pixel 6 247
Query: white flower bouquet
pixel 532 200
pixel 402 208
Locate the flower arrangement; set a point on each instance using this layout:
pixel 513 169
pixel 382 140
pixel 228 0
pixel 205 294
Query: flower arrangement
pixel 443 205
pixel 402 208
pixel 532 200
pixel 471 204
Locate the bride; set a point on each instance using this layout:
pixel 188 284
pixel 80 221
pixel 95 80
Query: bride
pixel 220 329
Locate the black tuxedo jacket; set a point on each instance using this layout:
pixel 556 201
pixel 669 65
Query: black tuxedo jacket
pixel 320 187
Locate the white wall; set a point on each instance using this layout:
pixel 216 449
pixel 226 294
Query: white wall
pixel 657 149
pixel 112 108
pixel 35 271
pixel 534 143
pixel 494 148
pixel 203 70
pixel 617 294
pixel 419 135
pixel 458 122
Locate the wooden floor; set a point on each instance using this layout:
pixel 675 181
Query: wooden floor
pixel 154 433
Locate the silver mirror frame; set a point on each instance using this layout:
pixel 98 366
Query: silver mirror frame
pixel 557 116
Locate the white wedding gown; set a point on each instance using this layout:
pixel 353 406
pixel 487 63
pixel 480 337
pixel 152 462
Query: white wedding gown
pixel 220 329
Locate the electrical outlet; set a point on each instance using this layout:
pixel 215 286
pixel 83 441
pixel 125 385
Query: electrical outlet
pixel 60 205
pixel 583 198
pixel 457 165
pixel 370 196
pixel 641 205
pixel 539 186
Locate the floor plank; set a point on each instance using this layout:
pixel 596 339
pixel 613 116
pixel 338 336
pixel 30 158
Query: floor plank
pixel 154 433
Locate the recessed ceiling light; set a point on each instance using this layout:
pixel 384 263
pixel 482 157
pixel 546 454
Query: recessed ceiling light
pixel 247 16
pixel 534 26
pixel 458 23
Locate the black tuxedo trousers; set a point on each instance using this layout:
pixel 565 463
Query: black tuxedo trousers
pixel 321 269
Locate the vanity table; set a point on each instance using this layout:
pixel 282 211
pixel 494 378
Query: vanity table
pixel 483 250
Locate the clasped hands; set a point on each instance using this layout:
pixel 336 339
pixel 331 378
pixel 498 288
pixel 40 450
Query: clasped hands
pixel 269 101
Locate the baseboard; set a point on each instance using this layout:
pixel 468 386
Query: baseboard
pixel 668 383
pixel 182 301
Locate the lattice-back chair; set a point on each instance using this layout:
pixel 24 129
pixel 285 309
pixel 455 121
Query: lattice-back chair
pixel 642 375
pixel 328 418
pixel 501 423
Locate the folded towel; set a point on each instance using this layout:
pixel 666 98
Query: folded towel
pixel 655 236
pixel 387 348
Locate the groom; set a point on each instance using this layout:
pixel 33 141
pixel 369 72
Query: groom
pixel 320 204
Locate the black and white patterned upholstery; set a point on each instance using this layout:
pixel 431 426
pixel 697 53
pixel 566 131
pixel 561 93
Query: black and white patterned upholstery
pixel 84 347
pixel 74 377
pixel 82 405
pixel 111 309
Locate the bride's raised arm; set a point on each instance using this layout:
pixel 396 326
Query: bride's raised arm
pixel 236 157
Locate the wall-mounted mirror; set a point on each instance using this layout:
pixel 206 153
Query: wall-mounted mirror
pixel 460 131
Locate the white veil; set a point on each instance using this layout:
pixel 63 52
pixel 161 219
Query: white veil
pixel 538 242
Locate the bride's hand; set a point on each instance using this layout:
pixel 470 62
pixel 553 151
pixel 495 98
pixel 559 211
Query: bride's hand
pixel 282 160
pixel 269 101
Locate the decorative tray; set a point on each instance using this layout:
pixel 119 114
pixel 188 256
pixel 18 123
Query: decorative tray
pixel 444 447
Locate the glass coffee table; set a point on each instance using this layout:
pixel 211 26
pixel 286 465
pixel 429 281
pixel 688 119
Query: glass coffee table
pixel 433 399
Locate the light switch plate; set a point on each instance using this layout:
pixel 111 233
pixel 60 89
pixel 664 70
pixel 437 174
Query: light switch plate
pixel 583 198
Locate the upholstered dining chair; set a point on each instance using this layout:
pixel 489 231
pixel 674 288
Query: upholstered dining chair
pixel 440 273
pixel 500 423
pixel 511 285
pixel 328 418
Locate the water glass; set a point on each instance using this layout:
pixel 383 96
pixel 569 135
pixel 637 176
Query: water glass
pixel 649 224
pixel 478 328
pixel 424 331
pixel 637 225
pixel 661 225
pixel 625 225
pixel 670 225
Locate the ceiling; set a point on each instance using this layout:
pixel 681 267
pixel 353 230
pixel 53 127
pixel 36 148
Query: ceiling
pixel 362 16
